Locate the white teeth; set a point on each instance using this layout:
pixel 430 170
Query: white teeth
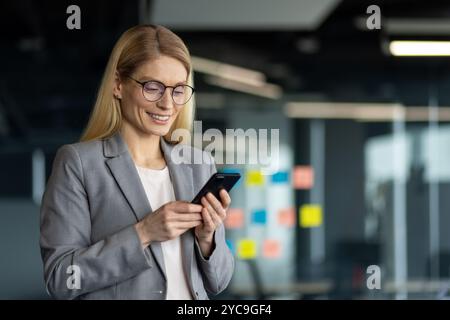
pixel 159 117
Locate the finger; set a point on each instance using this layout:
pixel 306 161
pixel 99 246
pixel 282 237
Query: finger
pixel 205 203
pixel 187 224
pixel 225 198
pixel 216 205
pixel 182 206
pixel 187 217
pixel 208 223
pixel 213 214
pixel 208 207
pixel 207 220
pixel 216 218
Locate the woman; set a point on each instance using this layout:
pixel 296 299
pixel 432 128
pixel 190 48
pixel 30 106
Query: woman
pixel 116 222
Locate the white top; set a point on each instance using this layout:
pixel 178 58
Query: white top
pixel 159 190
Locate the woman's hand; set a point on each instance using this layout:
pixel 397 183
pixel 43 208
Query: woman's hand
pixel 213 213
pixel 169 221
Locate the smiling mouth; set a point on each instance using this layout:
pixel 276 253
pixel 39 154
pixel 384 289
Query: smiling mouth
pixel 159 117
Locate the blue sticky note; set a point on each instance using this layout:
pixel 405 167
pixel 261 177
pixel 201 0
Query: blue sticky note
pixel 259 216
pixel 280 177
pixel 230 245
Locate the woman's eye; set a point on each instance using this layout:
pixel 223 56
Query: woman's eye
pixel 178 91
pixel 152 87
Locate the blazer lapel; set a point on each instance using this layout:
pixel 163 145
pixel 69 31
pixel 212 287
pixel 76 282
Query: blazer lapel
pixel 122 168
pixel 124 171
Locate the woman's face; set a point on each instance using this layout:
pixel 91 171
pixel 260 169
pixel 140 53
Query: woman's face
pixel 152 118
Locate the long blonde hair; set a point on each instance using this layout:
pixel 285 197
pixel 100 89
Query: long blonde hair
pixel 135 47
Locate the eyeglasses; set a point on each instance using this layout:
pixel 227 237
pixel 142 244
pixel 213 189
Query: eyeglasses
pixel 154 90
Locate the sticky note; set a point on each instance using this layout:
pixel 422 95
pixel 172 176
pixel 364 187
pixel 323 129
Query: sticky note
pixel 246 249
pixel 259 216
pixel 286 217
pixel 254 178
pixel 271 248
pixel 230 245
pixel 280 177
pixel 234 218
pixel 310 216
pixel 303 177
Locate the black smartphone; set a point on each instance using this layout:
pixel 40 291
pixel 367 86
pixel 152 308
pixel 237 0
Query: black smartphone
pixel 217 182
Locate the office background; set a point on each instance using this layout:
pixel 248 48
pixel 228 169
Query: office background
pixel 364 175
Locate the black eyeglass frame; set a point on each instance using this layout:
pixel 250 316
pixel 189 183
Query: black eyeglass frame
pixel 143 83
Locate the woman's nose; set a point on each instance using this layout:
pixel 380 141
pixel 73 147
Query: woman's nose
pixel 166 100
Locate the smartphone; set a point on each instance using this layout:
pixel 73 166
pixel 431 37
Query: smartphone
pixel 217 182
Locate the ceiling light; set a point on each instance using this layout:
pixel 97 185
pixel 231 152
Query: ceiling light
pixel 419 48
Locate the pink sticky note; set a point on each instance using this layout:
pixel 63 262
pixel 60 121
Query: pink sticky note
pixel 234 219
pixel 303 177
pixel 271 248
pixel 286 217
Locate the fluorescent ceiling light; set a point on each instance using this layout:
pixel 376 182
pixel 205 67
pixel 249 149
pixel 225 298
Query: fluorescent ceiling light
pixel 266 90
pixel 236 78
pixel 228 71
pixel 419 48
pixel 337 110
pixel 367 112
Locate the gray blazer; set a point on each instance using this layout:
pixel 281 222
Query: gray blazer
pixel 92 200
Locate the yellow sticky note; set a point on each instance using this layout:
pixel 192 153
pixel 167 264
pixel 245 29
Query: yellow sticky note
pixel 310 216
pixel 254 178
pixel 246 249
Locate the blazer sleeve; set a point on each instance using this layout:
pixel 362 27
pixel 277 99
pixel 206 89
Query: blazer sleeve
pixel 65 236
pixel 217 270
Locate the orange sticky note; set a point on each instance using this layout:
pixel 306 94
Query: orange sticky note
pixel 310 215
pixel 271 248
pixel 303 177
pixel 286 217
pixel 246 249
pixel 234 219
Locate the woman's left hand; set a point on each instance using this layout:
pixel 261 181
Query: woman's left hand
pixel 214 213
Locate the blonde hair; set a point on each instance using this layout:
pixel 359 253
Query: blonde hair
pixel 135 47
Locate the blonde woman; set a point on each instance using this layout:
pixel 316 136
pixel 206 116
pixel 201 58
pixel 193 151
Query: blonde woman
pixel 116 222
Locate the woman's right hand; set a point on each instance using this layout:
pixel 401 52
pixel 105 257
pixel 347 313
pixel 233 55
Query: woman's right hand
pixel 168 222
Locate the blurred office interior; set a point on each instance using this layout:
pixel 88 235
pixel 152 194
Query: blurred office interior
pixel 364 132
